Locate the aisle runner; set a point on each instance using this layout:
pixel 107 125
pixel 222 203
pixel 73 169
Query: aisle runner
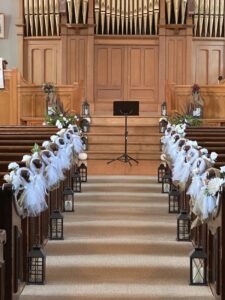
pixel 120 244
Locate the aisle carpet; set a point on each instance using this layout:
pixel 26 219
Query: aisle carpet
pixel 120 244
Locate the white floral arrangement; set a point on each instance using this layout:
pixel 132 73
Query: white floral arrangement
pixel 213 186
pixel 222 171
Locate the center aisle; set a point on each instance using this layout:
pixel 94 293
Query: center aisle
pixel 120 244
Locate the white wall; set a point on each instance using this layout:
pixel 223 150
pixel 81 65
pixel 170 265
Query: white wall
pixel 9 46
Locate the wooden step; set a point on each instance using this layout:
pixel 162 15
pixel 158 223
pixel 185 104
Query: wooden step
pixel 119 129
pixel 134 147
pixel 118 138
pixel 104 120
pixel 107 155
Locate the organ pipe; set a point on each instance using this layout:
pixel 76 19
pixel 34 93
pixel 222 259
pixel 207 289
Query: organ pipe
pixel 108 13
pixel 211 18
pixel 201 11
pixel 176 4
pixel 97 8
pixel 84 11
pixel 140 15
pixel 168 8
pixel 196 17
pixel 150 14
pixel 103 15
pixel 145 14
pixel 113 15
pixel 156 15
pixel 217 10
pixel 31 16
pixel 206 23
pixel 183 10
pixel 41 16
pixel 221 16
pixel 118 16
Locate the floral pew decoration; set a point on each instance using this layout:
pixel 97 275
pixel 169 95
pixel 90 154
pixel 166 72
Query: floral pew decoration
pixel 44 169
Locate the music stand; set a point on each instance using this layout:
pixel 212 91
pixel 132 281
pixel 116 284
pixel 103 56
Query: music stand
pixel 125 108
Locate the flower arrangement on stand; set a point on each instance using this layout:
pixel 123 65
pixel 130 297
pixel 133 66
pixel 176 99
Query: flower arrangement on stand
pixel 61 119
pixel 49 89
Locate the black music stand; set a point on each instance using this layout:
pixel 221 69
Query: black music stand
pixel 125 108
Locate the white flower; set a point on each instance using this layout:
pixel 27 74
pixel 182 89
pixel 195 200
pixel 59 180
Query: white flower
pixel 43 123
pixel 13 166
pixel 163 119
pixel 204 151
pixel 194 144
pixel 45 144
pixel 65 119
pixel 26 158
pixel 213 156
pixel 53 138
pixel 82 156
pixel 222 169
pixel 7 178
pixel 61 132
pixel 61 115
pixel 58 124
pixel 214 186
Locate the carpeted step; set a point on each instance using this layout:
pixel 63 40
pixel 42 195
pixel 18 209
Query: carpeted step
pixel 119 244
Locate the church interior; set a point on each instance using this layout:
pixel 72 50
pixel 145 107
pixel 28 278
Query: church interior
pixel 112 150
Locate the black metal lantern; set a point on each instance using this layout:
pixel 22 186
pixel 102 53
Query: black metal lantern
pixel 198 267
pixel 36 265
pixel 85 108
pixel 76 182
pixel 56 225
pixel 161 172
pixel 85 142
pixel 166 183
pixel 164 109
pixel 85 125
pixel 174 201
pixel 162 125
pixel 183 226
pixel 83 172
pixel 68 199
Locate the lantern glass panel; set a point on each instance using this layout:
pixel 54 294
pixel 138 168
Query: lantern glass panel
pixel 83 172
pixel 68 199
pixel 36 265
pixel 76 182
pixel 183 227
pixel 161 172
pixel 56 226
pixel 85 108
pixel 174 201
pixel 166 184
pixel 164 109
pixel 198 267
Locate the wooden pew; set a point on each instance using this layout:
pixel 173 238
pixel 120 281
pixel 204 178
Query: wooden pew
pixel 214 140
pixel 14 143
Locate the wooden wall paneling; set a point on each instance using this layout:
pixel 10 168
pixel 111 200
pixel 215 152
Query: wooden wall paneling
pixel 77 59
pixel 143 76
pixel 208 61
pixel 109 64
pixel 176 59
pixel 44 60
pixel 213 96
pixel 8 99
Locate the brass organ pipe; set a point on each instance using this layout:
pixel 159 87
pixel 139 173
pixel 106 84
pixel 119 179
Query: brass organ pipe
pixel 70 10
pixel 122 15
pixel 97 15
pixel 76 4
pixel 140 14
pixel 217 10
pixel 201 17
pixel 118 16
pixel 26 14
pixel 103 15
pixel 131 16
pixel 84 11
pixel 176 9
pixel 168 8
pixel 127 16
pixel 221 17
pixel 150 14
pixel 156 15
pixel 145 13
pixel 135 16
pixel 52 16
pixel 196 17
pixel 206 22
pixel 108 13
pixel 41 16
pixel 211 17
pixel 113 15
pixel 183 10
pixel 36 18
pixel 31 16
pixel 57 18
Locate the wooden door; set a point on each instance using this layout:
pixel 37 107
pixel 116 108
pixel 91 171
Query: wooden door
pixel 126 72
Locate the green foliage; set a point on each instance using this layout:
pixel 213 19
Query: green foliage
pixel 191 121
pixel 60 119
pixel 35 149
